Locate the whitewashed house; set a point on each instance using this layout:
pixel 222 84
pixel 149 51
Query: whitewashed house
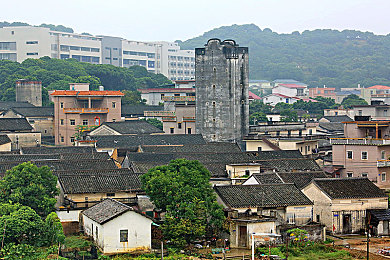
pixel 118 228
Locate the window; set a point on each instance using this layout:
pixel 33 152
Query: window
pixel 349 155
pixel 383 176
pixel 247 172
pixel 318 218
pixel 310 131
pixel 124 235
pixel 62 105
pixel 364 174
pixel 172 130
pixel 72 139
pixel 32 53
pixel 385 112
pixel 113 120
pixel 349 174
pixel 177 95
pixel 383 155
pixel 72 122
pixel 162 95
pixel 179 125
pixel 360 112
pixel 62 139
pixel 85 122
pixel 62 121
pixel 189 130
pixel 364 155
pixel 113 104
pixel 97 232
pixel 110 194
pixel 32 42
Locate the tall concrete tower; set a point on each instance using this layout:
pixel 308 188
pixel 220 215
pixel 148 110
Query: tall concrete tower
pixel 221 75
pixel 30 91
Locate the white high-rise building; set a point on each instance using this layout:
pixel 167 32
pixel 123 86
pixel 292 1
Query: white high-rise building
pixel 21 43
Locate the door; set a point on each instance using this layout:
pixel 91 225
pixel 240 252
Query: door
pixel 347 225
pixel 386 227
pixel 242 236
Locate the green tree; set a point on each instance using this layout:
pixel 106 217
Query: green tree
pixel 94 82
pixel 54 232
pixel 132 98
pixel 182 190
pixel 30 186
pixel 353 100
pixel 257 117
pixel 288 115
pixel 154 121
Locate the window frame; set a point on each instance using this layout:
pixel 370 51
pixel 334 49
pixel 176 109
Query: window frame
pixel 123 235
pixel 351 155
pixel 383 177
pixel 365 156
pixel 72 121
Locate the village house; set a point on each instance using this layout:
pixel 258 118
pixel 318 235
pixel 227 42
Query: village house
pixel 118 228
pixel 140 111
pixel 156 96
pixel 262 209
pixel 342 203
pixel 322 92
pixel 364 152
pixel 378 110
pixel 182 117
pixel 5 143
pixel 20 132
pixel 129 127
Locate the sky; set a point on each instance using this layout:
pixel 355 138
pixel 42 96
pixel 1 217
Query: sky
pixel 169 20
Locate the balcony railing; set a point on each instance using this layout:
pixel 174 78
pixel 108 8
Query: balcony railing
pixel 86 110
pixel 383 163
pixel 70 204
pixel 169 119
pixel 360 141
pixel 178 98
pixel 188 118
pixel 159 113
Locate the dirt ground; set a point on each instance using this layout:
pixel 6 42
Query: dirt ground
pixel 358 247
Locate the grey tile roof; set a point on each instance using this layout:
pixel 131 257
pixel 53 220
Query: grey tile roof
pixel 300 179
pixel 124 141
pixel 194 148
pixel 100 182
pixel 267 178
pixel 110 170
pixel 45 157
pixel 35 111
pixel 14 124
pixel 5 105
pixel 349 188
pixel 106 210
pixel 268 195
pixel 380 214
pixel 132 127
pixel 57 150
pixel 332 126
pixel 138 110
pixel 288 165
pixel 4 139
pixel 338 119
pixel 282 154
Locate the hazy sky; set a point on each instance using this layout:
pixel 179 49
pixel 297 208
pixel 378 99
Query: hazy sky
pixel 181 19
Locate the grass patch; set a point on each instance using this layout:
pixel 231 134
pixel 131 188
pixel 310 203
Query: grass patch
pixel 73 242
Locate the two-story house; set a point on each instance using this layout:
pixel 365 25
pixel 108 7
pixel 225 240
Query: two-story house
pixel 79 108
pixel 364 151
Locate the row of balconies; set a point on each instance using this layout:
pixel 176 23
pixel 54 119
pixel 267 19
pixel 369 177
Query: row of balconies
pixel 360 141
pixel 174 119
pixel 94 110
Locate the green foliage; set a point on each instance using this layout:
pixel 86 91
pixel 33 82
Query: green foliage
pixel 154 121
pixel 57 74
pixel 265 251
pixel 183 191
pixel 288 115
pixel 258 111
pixel 353 100
pixel 132 98
pixel 30 186
pixel 73 242
pixel 319 57
pixel 257 117
pixel 54 232
pixel 52 27
pixel 20 251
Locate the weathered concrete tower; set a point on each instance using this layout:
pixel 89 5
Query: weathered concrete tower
pixel 30 91
pixel 221 75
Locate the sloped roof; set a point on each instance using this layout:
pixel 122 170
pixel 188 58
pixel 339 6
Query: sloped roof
pixel 58 150
pixel 100 182
pixel 107 210
pixel 339 119
pixel 132 127
pixel 282 154
pixel 5 105
pixel 253 95
pixel 193 148
pixel 286 165
pixel 332 126
pixel 379 87
pixel 292 85
pixel 300 179
pixel 380 214
pixel 349 188
pixel 139 109
pixel 268 195
pixel 14 124
pixel 267 178
pixel 123 141
pixel 4 139
pixel 34 111
pixel 86 93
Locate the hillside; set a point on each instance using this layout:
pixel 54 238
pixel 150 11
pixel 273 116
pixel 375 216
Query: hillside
pixel 319 57
pixel 57 74
pixel 52 27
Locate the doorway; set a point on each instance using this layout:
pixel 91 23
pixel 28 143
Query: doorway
pixel 347 225
pixel 242 236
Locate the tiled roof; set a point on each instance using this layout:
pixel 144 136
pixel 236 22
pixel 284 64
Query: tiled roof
pixel 349 188
pixel 92 171
pixel 193 148
pixel 380 214
pixel 106 210
pixel 4 139
pixel 144 167
pixel 281 95
pixel 292 85
pixel 5 105
pixel 338 119
pixel 288 81
pixel 282 154
pixel 100 182
pixel 58 150
pixel 53 156
pixel 253 95
pixel 86 93
pixel 269 195
pixel 124 141
pixel 14 124
pixel 267 178
pixel 132 127
pixel 286 165
pixel 379 87
pixel 128 110
pixel 332 126
pixel 300 179
pixel 34 111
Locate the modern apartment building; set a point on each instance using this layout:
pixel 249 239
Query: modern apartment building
pixel 79 108
pixel 20 43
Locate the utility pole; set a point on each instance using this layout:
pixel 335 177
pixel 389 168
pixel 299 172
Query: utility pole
pixel 368 235
pixel 162 249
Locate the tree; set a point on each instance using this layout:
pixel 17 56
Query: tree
pixel 289 115
pixel 257 117
pixel 182 190
pixel 353 100
pixel 132 98
pixel 154 121
pixel 30 186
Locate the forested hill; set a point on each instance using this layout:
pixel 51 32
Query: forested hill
pixel 319 57
pixel 57 74
pixel 52 27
